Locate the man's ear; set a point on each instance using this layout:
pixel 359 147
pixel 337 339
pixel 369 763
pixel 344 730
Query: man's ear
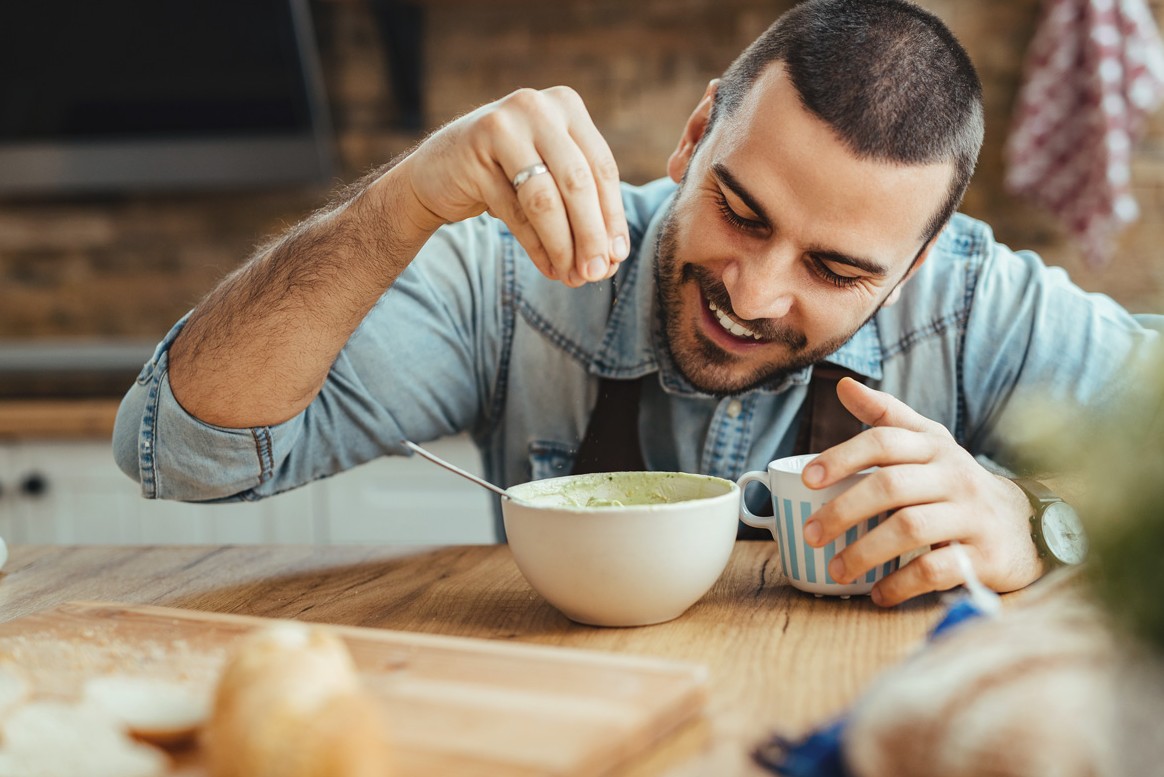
pixel 692 133
pixel 921 258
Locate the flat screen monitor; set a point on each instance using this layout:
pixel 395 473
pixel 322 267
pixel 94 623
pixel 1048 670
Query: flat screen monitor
pixel 130 95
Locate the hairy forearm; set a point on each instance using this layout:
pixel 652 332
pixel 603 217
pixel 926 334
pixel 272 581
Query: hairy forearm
pixel 258 348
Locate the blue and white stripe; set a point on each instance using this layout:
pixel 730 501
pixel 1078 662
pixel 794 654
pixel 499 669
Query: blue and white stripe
pixel 810 565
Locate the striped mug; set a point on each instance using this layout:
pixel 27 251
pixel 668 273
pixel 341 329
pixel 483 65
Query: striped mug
pixel 793 502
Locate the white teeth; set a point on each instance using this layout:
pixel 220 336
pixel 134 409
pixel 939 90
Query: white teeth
pixel 730 324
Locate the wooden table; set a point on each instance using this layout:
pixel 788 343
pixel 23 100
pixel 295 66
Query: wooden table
pixel 779 660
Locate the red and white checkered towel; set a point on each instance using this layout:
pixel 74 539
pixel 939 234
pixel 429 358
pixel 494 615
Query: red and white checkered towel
pixel 1094 72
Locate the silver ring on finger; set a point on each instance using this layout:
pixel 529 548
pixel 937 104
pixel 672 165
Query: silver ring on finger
pixel 526 173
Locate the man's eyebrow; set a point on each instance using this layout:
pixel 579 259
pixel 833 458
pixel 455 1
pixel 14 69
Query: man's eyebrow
pixel 865 265
pixel 727 179
pixel 868 266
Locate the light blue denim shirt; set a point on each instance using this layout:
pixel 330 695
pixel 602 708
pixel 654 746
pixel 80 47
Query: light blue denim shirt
pixel 472 338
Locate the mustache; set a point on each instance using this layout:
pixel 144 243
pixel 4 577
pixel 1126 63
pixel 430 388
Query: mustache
pixel 713 289
pixel 716 293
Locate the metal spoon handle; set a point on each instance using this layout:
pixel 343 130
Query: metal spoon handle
pixel 453 468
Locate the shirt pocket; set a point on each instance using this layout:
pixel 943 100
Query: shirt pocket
pixel 550 459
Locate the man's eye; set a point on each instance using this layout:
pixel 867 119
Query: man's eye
pixel 826 273
pixel 735 219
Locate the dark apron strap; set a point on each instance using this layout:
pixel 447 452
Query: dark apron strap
pixel 824 422
pixel 612 444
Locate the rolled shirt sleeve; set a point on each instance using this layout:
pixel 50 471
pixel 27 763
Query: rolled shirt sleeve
pixel 177 456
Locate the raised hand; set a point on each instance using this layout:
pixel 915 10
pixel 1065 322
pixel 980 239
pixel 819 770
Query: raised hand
pixel 535 160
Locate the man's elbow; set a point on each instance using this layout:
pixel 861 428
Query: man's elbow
pixel 126 433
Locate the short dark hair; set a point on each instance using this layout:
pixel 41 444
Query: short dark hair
pixel 887 76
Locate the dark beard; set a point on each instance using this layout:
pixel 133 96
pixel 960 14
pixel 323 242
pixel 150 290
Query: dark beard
pixel 703 363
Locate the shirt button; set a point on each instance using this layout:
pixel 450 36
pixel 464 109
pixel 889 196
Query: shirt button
pixel 734 408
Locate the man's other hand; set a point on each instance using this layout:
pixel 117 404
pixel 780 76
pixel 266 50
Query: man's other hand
pixel 936 491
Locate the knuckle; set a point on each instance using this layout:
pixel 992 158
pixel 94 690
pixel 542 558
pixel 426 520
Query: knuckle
pixel 891 482
pixel 524 98
pixel 942 429
pixel 566 94
pixel 517 218
pixel 492 120
pixel 939 432
pixel 912 524
pixel 606 169
pixel 931 570
pixel 961 485
pixel 540 202
pixel 575 179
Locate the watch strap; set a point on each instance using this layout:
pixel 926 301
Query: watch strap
pixel 1037 492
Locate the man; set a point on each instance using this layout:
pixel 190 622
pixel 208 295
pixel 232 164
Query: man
pixel 490 280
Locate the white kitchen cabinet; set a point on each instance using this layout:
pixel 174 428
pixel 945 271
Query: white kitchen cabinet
pixel 411 500
pixel 55 492
pixel 72 492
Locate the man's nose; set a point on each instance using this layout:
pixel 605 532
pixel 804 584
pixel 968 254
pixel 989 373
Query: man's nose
pixel 761 285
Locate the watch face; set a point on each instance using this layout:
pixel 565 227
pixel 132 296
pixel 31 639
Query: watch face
pixel 1063 533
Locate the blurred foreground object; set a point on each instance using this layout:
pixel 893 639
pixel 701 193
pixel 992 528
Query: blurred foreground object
pixel 289 704
pixel 1069 679
pixel 1047 688
pixel 1094 72
pixel 1123 460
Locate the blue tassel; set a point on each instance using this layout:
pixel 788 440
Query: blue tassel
pixel 817 755
pixel 961 611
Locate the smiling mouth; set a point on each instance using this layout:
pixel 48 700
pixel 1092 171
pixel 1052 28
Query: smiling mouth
pixel 729 324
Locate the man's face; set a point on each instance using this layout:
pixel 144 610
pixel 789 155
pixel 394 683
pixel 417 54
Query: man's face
pixel 780 243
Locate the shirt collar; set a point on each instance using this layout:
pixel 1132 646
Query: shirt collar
pixel 634 342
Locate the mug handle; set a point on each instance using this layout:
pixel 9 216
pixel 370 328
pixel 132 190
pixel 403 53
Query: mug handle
pixel 746 515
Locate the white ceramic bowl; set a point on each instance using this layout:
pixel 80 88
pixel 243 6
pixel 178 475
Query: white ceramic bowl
pixel 622 548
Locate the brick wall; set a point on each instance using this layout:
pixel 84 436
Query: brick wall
pixel 128 266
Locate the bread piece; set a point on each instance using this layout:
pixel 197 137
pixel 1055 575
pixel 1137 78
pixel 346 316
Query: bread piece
pixel 158 711
pixel 56 739
pixel 289 704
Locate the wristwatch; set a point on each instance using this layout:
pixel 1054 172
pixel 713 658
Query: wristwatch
pixel 1055 526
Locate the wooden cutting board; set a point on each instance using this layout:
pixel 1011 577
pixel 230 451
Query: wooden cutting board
pixel 456 705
